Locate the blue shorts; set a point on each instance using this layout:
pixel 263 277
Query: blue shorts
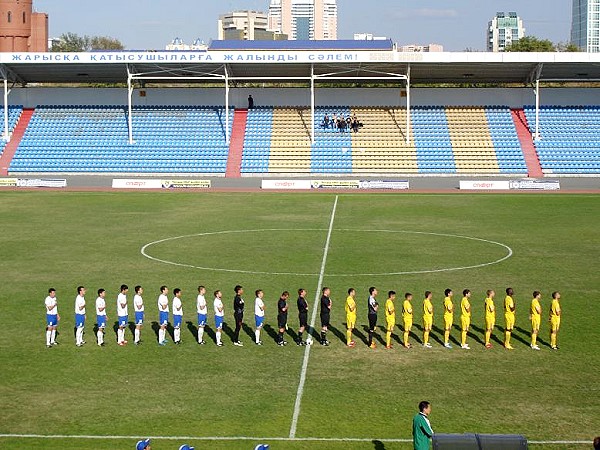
pixel 218 321
pixel 177 321
pixel 259 320
pixel 101 321
pixel 139 317
pixel 51 320
pixel 123 321
pixel 163 318
pixel 201 320
pixel 79 320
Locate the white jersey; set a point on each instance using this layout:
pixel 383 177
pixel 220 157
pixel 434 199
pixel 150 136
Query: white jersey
pixel 80 305
pixel 259 307
pixel 121 300
pixel 100 303
pixel 138 303
pixel 51 305
pixel 177 307
pixel 163 303
pixel 219 305
pixel 201 305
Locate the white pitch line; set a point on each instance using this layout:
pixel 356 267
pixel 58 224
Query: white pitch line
pixel 246 438
pixel 300 391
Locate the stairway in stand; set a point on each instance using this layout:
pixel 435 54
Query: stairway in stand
pixel 236 143
pixel 15 140
pixel 534 168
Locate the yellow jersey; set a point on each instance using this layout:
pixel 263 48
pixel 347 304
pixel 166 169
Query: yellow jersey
pixel 555 309
pixel 390 310
pixel 350 306
pixel 509 305
pixel 490 310
pixel 427 309
pixel 465 307
pixel 535 307
pixel 407 311
pixel 448 308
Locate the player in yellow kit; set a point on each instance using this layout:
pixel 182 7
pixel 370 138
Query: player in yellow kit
pixel 490 317
pixel 448 316
pixel 535 313
pixel 427 318
pixel 509 317
pixel 465 318
pixel 350 316
pixel 407 317
pixel 390 318
pixel 555 313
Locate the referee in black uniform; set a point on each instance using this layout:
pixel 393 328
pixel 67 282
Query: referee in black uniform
pixel 302 315
pixel 238 314
pixel 282 313
pixel 325 312
pixel 373 306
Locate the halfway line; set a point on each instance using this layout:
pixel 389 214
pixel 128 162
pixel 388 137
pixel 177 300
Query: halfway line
pixel 312 326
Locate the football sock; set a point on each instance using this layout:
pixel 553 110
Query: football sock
pixel 348 336
pixel 370 337
pixel 446 336
pixel 553 339
pixel 487 337
pixel 161 335
pixel 200 333
pixel 299 336
pixel 406 333
pixel 280 337
pixel 507 338
pixel 388 338
pixel 323 336
pixel 177 334
pixel 121 335
pixel 99 335
pixel 533 338
pixel 48 337
pixel 257 334
pixel 463 337
pixel 218 334
pixel 53 337
pixel 79 336
pixel 137 335
pixel 425 337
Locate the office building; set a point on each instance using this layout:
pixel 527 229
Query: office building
pixel 585 25
pixel 304 19
pixel 503 30
pixel 247 26
pixel 415 48
pixel 21 29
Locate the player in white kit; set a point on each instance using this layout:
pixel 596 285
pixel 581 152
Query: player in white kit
pixel 52 317
pixel 79 316
pixel 219 314
pixel 177 316
pixel 122 314
pixel 202 309
pixel 138 307
pixel 163 315
pixel 101 316
pixel 259 315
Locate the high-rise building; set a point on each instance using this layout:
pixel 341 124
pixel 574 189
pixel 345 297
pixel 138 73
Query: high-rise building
pixel 247 26
pixel 304 19
pixel 21 29
pixel 503 30
pixel 585 25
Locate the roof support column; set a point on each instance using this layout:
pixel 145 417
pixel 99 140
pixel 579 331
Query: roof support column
pixel 312 103
pixel 408 105
pixel 6 134
pixel 129 107
pixel 536 134
pixel 227 137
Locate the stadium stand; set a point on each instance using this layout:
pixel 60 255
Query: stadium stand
pixel 290 141
pixel 168 139
pixel 569 138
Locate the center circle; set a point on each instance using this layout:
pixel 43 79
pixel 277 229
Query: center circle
pixel 280 251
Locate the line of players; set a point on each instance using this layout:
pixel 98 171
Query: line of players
pixel 535 312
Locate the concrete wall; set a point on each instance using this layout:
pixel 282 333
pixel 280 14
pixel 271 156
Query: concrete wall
pixel 33 96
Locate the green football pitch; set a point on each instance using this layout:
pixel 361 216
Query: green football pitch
pixel 295 397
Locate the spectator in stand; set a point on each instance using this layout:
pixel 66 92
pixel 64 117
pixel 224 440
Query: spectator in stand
pixel 250 102
pixel 326 121
pixel 355 124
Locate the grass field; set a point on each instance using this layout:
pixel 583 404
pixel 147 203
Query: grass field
pixel 63 239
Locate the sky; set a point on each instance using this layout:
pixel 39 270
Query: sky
pixel 455 24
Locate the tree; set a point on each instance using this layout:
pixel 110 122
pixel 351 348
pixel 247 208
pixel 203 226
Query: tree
pixel 570 47
pixel 531 44
pixel 71 42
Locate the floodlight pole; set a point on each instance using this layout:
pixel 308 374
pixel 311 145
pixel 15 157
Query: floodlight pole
pixel 129 107
pixel 312 103
pixel 6 136
pixel 408 105
pixel 226 105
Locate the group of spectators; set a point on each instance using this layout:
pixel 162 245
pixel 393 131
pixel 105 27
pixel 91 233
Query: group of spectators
pixel 341 123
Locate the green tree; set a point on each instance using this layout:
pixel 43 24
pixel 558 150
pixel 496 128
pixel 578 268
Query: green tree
pixel 71 42
pixel 570 47
pixel 531 44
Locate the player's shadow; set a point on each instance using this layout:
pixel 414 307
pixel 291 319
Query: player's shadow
pixel 378 445
pixel 131 326
pixel 249 331
pixel 337 333
pixel 192 329
pixel 155 327
pixel 436 336
pixel 272 332
pixel 360 335
pixel 476 337
pixel 116 329
pixel 528 334
pixel 376 335
pixel 415 336
pixel 228 331
pixel 514 336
